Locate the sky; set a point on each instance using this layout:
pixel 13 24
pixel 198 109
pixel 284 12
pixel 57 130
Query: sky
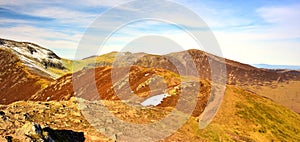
pixel 252 32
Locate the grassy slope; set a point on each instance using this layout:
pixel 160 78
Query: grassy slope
pixel 285 93
pixel 77 65
pixel 247 117
pixel 244 117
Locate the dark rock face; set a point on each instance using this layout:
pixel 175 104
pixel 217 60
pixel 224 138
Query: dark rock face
pixel 3 116
pixel 34 132
pixel 48 63
pixel 52 55
pixel 2 113
pixel 9 138
pixel 2 42
pixel 31 50
pixel 38 129
pixel 63 135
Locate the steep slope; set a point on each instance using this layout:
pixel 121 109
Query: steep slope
pixel 16 81
pixel 37 59
pixel 143 82
pixel 243 116
pixel 286 93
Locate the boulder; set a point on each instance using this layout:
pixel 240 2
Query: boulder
pixel 34 132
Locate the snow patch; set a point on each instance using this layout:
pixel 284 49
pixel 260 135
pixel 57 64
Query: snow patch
pixel 39 54
pixel 154 100
pixel 29 58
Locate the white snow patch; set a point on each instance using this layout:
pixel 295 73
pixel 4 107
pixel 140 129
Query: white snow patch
pixel 27 58
pixel 40 54
pixel 30 63
pixel 154 100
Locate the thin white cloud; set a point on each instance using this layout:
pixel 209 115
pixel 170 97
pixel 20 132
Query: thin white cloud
pixel 65 16
pixel 275 40
pixel 217 16
pixel 247 48
pixel 284 21
pixel 49 39
pixel 279 14
pixel 96 3
pixel 18 2
pixel 62 11
pixel 15 21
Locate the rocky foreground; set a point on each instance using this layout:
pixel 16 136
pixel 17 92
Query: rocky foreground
pixel 63 121
pixel 44 121
pixel 243 116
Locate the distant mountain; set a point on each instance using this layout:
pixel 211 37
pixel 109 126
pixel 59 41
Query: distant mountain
pixel 46 63
pixel 266 66
pixel 37 59
pixel 237 73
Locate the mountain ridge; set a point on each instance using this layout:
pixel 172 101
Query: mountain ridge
pixel 277 67
pixel 246 76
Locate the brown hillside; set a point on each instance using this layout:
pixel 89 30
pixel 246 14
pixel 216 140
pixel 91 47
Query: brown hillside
pixel 16 82
pixel 179 62
pixel 237 73
pixel 278 85
pixel 141 81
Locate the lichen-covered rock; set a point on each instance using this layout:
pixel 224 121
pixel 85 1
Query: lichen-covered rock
pixel 34 132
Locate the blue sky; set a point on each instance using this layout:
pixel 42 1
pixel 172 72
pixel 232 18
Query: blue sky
pixel 253 32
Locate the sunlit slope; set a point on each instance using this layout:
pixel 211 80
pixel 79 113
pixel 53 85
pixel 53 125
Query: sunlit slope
pixel 286 93
pixel 244 116
pixel 16 81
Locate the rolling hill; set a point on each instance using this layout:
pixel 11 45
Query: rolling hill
pixel 278 85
